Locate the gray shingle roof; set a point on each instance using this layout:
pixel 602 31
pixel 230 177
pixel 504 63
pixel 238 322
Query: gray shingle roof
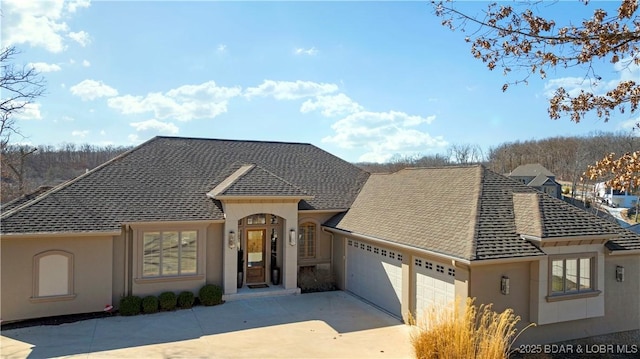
pixel 258 181
pixel 531 170
pixel 467 212
pixel 167 179
pixel 540 181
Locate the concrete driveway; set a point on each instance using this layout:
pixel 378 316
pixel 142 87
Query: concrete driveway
pixel 318 325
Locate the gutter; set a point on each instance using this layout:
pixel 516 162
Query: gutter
pixel 62 234
pixel 624 252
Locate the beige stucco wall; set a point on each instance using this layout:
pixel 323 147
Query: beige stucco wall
pixel 92 273
pixel 621 307
pixel 214 254
pixel 484 285
pixel 118 268
pixel 339 260
pixel 324 240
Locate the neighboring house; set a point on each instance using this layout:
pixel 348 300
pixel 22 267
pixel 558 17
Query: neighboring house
pixel 613 197
pixel 537 176
pixel 171 214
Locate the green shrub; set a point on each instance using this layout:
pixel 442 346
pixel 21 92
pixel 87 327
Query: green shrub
pixel 185 300
pixel 566 189
pixel 210 294
pixel 168 301
pixel 130 305
pixel 149 304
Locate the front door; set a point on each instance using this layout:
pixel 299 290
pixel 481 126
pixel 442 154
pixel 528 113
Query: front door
pixel 255 255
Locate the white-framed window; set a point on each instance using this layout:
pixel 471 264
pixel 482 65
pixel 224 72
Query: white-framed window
pixel 572 274
pixel 53 275
pixel 307 241
pixel 169 253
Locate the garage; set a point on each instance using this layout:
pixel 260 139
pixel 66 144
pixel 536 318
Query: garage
pixel 434 283
pixel 375 274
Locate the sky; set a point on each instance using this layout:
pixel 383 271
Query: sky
pixel 366 81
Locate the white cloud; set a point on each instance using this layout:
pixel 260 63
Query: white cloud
pixel 133 138
pixel 91 90
pixel 44 67
pixel 37 23
pixel 631 124
pixel 80 134
pixel 30 111
pixel 384 134
pixel 72 61
pixel 86 63
pixel 103 133
pixel 80 37
pixel 185 103
pixel 301 51
pixel 573 85
pixel 155 125
pixel 222 48
pixel 332 105
pixel 288 90
pixel 73 5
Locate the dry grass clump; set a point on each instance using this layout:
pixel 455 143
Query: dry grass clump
pixel 468 331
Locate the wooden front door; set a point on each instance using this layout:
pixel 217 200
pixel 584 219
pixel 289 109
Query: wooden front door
pixel 256 255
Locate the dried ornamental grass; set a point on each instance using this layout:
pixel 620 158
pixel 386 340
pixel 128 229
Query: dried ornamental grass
pixel 469 331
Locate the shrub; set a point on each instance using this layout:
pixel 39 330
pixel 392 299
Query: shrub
pixel 149 304
pixel 315 280
pixel 566 189
pixel 465 332
pixel 185 300
pixel 130 305
pixel 210 295
pixel 167 301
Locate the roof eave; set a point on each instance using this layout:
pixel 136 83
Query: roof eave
pixel 592 237
pixel 623 252
pixel 61 234
pixel 254 197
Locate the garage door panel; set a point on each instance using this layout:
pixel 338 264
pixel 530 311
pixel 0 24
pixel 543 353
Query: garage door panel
pixel 434 284
pixel 375 274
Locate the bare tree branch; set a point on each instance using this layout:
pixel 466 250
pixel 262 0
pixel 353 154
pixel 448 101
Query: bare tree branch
pixel 522 40
pixel 20 86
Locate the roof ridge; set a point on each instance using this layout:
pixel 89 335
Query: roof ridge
pixel 475 218
pixel 66 184
pixel 231 140
pixel 231 179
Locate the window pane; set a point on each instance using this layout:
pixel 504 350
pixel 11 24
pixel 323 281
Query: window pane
pixel 557 276
pixel 571 274
pixel 151 256
pixel 170 253
pixel 307 243
pixel 188 263
pixel 585 273
pixel 311 240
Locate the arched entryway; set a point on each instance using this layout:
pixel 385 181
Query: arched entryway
pixel 260 251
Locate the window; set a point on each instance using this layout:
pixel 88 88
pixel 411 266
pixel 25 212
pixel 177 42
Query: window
pixel 571 275
pixel 170 253
pixel 53 276
pixel 307 241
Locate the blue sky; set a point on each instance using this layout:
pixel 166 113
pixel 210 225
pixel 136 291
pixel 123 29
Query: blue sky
pixel 362 80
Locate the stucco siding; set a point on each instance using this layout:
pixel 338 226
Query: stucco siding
pixel 339 260
pixel 214 254
pixel 621 307
pixel 484 285
pixel 118 268
pixel 91 273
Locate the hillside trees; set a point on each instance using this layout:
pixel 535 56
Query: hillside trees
pixel 516 38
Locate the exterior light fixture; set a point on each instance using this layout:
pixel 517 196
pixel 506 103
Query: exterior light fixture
pixel 292 237
pixel 232 239
pixel 504 285
pixel 620 273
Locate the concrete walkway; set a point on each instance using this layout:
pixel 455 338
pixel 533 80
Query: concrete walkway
pixel 319 325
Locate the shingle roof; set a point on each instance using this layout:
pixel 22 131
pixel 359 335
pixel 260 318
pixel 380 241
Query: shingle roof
pixel 530 170
pixel 167 179
pixel 540 181
pixel 467 212
pixel 257 182
pixel 15 203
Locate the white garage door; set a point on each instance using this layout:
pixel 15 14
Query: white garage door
pixel 434 283
pixel 375 274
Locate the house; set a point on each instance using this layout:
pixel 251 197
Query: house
pixel 614 197
pixel 172 214
pixel 537 176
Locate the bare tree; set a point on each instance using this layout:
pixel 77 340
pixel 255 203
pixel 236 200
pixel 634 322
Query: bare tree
pixel 20 86
pixel 521 40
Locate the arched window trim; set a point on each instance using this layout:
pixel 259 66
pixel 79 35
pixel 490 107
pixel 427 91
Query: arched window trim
pixel 36 277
